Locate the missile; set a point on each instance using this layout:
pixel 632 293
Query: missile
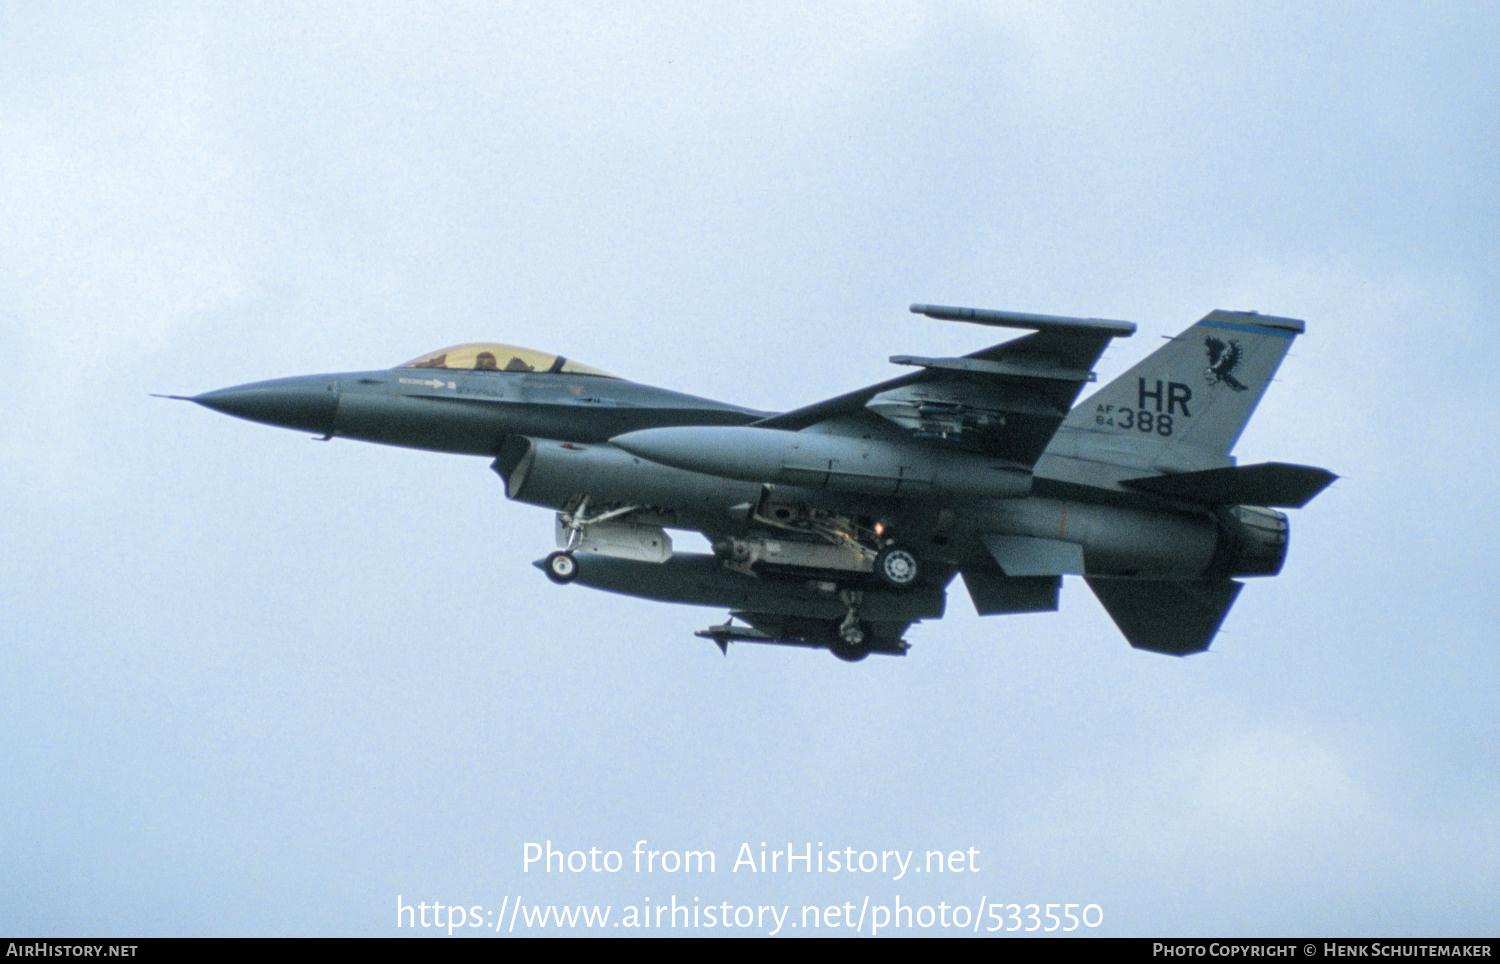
pixel 867 466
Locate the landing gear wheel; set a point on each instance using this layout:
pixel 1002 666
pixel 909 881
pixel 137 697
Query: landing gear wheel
pixel 849 652
pixel 896 567
pixel 561 567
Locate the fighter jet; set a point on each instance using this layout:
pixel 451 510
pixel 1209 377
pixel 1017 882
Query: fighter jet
pixel 841 524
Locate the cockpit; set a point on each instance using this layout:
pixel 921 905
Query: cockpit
pixel 494 357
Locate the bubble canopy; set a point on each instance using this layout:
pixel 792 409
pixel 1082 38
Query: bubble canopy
pixel 495 357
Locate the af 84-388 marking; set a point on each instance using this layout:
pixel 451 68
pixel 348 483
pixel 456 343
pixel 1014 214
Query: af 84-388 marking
pixel 1159 419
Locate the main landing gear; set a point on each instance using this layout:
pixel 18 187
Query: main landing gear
pixel 896 567
pixel 850 642
pixel 850 652
pixel 847 547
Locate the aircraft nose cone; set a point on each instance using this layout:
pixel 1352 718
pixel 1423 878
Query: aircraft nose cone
pixel 308 403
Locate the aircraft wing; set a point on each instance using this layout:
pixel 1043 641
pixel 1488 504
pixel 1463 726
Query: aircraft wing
pixel 1006 401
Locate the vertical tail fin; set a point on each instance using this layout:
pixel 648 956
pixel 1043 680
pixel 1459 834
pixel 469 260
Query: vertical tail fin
pixel 1198 390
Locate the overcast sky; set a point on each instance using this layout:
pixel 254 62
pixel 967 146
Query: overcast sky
pixel 255 685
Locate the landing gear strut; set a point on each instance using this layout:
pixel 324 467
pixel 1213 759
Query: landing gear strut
pixel 850 642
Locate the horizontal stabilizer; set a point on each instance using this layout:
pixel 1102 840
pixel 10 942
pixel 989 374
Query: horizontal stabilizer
pixel 1274 484
pixel 1025 556
pixel 1176 616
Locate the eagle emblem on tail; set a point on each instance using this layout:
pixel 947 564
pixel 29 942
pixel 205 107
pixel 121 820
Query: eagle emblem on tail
pixel 1222 361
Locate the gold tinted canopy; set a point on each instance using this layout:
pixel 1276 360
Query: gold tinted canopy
pixel 495 357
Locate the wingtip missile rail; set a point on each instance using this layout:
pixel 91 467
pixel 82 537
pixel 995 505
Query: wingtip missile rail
pixel 1022 319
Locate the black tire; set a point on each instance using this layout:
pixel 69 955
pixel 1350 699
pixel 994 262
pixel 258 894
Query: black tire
pixel 897 567
pixel 850 645
pixel 561 567
pixel 849 653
